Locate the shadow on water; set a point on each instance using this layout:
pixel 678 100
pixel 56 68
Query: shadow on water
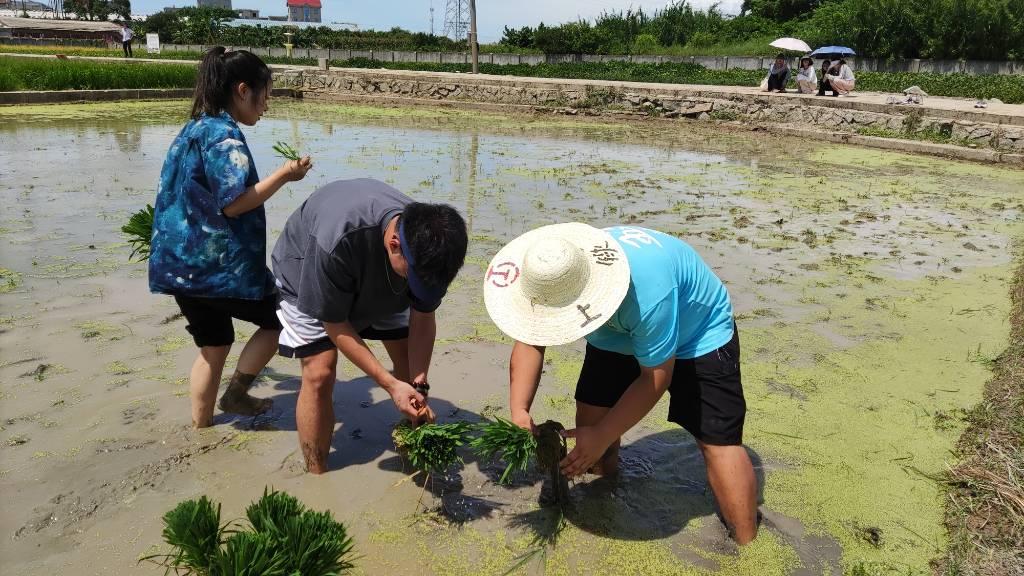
pixel 661 488
pixel 363 435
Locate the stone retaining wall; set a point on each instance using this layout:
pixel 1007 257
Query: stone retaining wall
pixel 610 98
pixel 975 67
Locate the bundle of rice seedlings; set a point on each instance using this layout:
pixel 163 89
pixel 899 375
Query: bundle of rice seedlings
pixel 309 543
pixel 503 440
pixel 431 448
pixel 285 150
pixel 285 539
pixel 139 230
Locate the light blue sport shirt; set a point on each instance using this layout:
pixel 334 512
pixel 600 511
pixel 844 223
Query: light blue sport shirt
pixel 675 306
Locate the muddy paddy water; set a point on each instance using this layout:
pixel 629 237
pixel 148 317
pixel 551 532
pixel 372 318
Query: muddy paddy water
pixel 869 286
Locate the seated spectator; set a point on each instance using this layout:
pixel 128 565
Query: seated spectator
pixel 806 77
pixel 778 74
pixel 838 78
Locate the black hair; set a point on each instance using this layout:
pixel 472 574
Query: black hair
pixel 780 56
pixel 436 236
pixel 219 72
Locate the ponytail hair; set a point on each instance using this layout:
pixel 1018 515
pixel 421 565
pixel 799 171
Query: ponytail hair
pixel 219 72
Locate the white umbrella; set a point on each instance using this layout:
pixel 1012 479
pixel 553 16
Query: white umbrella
pixel 794 44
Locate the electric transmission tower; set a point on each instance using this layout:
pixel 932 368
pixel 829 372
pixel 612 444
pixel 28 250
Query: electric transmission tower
pixel 456 19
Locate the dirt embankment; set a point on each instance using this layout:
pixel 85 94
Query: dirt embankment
pixel 985 504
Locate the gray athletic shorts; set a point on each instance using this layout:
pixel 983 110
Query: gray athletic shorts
pixel 302 335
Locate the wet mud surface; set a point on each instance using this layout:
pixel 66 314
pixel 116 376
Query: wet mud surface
pixel 870 295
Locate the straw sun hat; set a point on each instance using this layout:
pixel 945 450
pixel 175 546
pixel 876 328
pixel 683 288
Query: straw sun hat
pixel 556 284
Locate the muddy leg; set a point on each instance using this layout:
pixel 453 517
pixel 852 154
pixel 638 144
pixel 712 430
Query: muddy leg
pixel 398 351
pixel 735 487
pixel 589 415
pixel 314 413
pixel 254 358
pixel 204 381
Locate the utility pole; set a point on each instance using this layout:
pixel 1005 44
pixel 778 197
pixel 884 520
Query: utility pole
pixel 474 46
pixel 431 17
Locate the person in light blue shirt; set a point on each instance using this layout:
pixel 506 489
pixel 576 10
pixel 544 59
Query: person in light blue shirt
pixel 656 318
pixel 675 306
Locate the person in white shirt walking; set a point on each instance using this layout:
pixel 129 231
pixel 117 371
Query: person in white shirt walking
pixel 126 39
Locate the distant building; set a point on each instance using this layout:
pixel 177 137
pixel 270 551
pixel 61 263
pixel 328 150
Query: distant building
pixel 248 13
pixel 303 10
pixel 276 21
pixel 58 29
pixel 214 4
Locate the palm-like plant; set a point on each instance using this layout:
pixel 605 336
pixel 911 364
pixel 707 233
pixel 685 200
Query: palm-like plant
pixel 139 230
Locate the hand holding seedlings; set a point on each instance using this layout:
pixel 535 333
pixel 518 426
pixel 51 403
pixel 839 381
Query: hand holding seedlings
pixel 411 403
pixel 296 166
pixel 590 447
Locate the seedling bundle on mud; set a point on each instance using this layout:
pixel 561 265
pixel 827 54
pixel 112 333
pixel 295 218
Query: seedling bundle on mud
pixel 283 539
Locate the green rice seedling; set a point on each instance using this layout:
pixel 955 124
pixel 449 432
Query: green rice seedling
pixel 194 531
pixel 269 513
pixel 249 554
pixel 285 150
pixel 139 230
pixel 283 539
pixel 431 447
pixel 315 544
pixel 501 439
pixel 309 543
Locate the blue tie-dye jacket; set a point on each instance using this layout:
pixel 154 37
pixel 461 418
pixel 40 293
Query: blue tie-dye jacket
pixel 196 249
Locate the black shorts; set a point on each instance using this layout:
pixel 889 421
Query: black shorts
pixel 706 392
pixel 323 344
pixel 209 319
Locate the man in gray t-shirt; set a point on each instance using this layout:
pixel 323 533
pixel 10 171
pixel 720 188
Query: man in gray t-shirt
pixel 360 260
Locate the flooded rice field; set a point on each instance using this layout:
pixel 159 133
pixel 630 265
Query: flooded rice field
pixel 869 287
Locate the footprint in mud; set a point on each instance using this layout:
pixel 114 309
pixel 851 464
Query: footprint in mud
pixel 66 508
pixel 133 414
pixel 819 554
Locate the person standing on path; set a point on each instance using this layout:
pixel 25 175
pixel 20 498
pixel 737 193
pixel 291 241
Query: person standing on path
pixel 359 260
pixel 656 319
pixel 126 39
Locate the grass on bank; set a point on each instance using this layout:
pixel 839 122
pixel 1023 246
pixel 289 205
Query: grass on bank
pixel 1008 88
pixel 985 502
pixel 40 74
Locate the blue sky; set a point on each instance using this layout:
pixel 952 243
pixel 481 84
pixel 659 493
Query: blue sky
pixel 492 15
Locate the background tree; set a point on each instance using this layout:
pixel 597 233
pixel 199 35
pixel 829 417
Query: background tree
pixel 122 8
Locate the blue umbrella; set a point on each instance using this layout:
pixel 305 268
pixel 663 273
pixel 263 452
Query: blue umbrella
pixel 834 51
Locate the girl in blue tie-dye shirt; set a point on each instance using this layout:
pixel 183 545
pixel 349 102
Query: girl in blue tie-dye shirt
pixel 210 231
